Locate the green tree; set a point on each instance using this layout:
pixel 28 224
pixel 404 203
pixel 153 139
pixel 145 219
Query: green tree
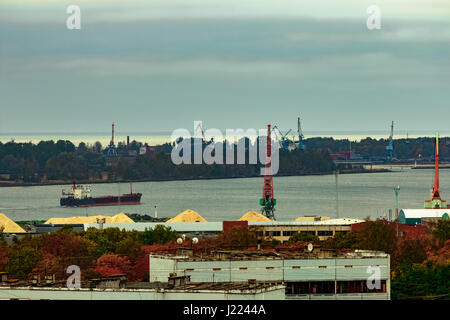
pixel 410 251
pixel 22 260
pixel 303 237
pixel 340 241
pixel 441 231
pixel 161 234
pixel 377 235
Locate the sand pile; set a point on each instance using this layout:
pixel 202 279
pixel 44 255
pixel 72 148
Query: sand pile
pixel 253 216
pixel 118 218
pixel 188 216
pixel 9 226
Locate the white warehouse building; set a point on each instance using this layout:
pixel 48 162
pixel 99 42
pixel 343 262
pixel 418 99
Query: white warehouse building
pixel 346 276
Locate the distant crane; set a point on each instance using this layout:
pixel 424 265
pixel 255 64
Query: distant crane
pixel 436 202
pixel 267 201
pixel 301 144
pixel 390 146
pixel 286 143
pixel 203 134
pixel 112 152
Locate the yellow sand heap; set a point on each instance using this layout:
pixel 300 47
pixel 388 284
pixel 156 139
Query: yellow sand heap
pixel 253 216
pixel 188 216
pixel 9 226
pixel 118 218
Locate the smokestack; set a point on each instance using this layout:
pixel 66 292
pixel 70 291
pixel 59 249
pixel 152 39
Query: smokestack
pixel 112 133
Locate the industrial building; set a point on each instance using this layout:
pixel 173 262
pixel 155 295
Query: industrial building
pixel 313 274
pixel 279 230
pixel 146 291
pixel 419 216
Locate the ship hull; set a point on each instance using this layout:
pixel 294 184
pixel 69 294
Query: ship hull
pixel 126 199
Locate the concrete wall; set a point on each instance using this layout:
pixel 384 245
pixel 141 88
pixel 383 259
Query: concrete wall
pixel 344 269
pixel 160 268
pixel 108 294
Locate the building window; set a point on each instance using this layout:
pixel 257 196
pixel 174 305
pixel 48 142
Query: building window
pixel 324 233
pixel 316 287
pixel 328 287
pixel 359 286
pixel 288 233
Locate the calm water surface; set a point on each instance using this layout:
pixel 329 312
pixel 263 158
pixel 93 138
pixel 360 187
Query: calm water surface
pixel 360 195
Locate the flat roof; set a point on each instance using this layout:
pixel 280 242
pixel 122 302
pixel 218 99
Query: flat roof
pixel 424 213
pixel 217 226
pixel 317 253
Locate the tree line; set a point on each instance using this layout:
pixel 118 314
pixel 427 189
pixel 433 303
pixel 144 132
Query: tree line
pixel 62 160
pixel 369 148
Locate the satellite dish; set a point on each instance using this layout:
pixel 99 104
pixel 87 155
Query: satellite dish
pixel 310 247
pixel 183 236
pixel 194 240
pixel 179 241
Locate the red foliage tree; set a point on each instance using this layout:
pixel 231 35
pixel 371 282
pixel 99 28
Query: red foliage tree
pixel 442 255
pixel 3 257
pixel 71 249
pixel 49 265
pixel 109 264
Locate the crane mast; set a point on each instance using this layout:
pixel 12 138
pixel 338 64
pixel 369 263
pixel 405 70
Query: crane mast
pixel 436 202
pixel 267 201
pixel 301 144
pixel 390 146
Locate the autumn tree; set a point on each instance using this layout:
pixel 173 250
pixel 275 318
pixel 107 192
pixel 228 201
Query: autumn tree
pixel 377 235
pixel 3 257
pixel 441 255
pixel 109 264
pixel 441 231
pixel 410 251
pixel 238 238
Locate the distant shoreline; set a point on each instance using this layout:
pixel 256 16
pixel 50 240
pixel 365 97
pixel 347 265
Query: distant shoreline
pixel 69 182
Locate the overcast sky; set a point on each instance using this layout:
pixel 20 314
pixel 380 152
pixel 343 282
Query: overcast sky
pixel 154 66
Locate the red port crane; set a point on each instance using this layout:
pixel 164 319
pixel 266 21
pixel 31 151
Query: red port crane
pixel 267 201
pixel 436 202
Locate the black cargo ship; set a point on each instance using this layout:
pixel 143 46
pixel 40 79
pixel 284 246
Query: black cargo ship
pixel 80 196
